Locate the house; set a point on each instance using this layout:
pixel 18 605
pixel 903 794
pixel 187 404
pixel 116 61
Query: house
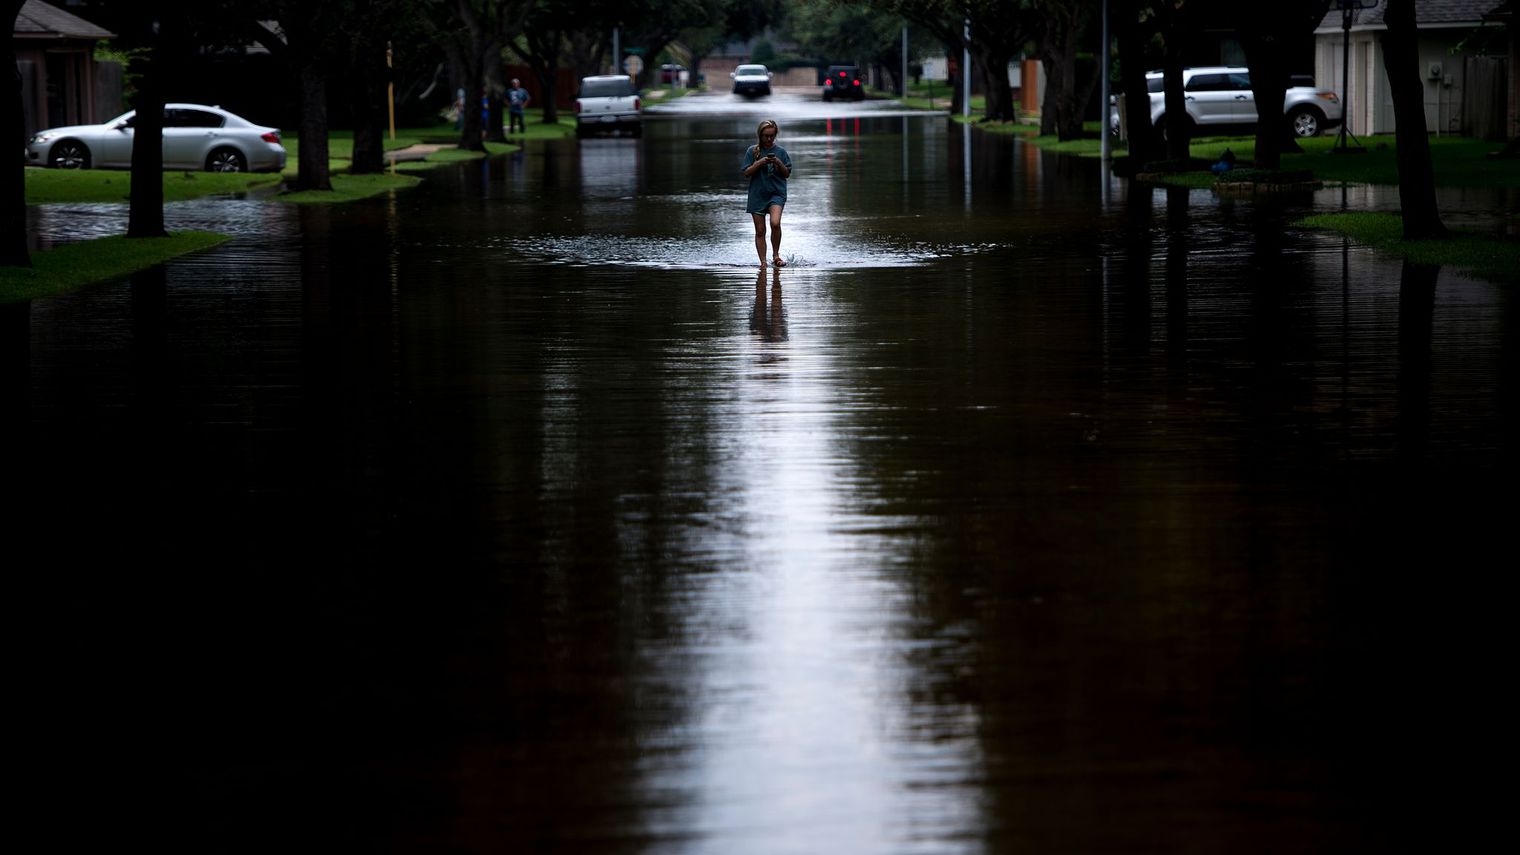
pixel 61 83
pixel 1462 62
pixel 1505 16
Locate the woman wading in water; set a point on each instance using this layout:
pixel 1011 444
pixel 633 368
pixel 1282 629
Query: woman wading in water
pixel 767 166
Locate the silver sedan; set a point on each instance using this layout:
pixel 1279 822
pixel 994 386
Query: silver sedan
pixel 195 137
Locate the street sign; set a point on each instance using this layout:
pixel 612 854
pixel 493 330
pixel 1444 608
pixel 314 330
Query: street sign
pixel 633 65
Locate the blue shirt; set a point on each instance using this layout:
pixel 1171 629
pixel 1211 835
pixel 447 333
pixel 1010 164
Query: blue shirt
pixel 766 188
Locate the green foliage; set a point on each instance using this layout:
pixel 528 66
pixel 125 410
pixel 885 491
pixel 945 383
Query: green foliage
pixel 847 32
pixel 131 61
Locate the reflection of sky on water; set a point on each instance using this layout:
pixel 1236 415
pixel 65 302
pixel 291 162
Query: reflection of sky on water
pixel 786 103
pixel 802 247
pixel 803 619
pixel 237 217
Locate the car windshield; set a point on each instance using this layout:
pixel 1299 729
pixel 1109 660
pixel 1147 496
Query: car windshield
pixel 610 88
pixel 751 70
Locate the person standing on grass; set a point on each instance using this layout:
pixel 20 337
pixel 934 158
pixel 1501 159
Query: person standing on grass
pixel 517 99
pixel 767 166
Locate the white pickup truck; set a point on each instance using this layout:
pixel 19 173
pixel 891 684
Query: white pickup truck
pixel 607 103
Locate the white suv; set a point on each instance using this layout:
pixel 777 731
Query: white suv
pixel 1221 96
pixel 608 102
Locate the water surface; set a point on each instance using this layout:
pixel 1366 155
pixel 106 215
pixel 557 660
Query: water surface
pixel 1024 512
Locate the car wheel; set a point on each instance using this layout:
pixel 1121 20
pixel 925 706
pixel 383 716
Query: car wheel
pixel 638 129
pixel 1305 122
pixel 69 154
pixel 226 160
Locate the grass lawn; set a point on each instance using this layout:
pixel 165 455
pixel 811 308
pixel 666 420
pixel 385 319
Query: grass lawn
pixel 75 265
pixel 1485 255
pixel 52 186
pixel 936 95
pixel 44 186
pixel 1456 161
pixel 72 266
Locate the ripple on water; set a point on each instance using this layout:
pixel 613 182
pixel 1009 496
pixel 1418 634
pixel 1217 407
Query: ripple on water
pixel 53 224
pixel 664 253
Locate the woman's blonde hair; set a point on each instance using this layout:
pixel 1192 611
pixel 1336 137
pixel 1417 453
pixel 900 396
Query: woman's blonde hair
pixel 767 123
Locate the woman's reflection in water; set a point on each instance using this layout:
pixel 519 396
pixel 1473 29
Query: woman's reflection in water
pixel 768 318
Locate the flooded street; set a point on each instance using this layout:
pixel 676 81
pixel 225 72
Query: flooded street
pixel 1026 511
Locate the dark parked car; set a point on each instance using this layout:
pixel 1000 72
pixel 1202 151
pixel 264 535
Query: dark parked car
pixel 843 81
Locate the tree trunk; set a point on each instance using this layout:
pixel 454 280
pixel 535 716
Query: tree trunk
pixel 540 51
pixel 1179 27
pixel 1175 122
pixel 312 171
pixel 13 251
pixel 1132 35
pixel 1061 113
pixel 1057 78
pixel 145 214
pixel 999 96
pixel 545 74
pixel 494 124
pixel 1417 184
pixel 1269 83
pixel 370 75
pixel 471 128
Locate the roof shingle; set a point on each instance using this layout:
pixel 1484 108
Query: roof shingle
pixel 1427 13
pixel 38 20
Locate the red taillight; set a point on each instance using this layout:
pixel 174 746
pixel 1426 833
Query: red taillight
pixel 841 74
pixel 271 137
pixel 638 104
pixel 856 83
pixel 578 105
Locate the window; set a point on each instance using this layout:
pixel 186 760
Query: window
pixel 180 118
pixel 612 87
pixel 1209 83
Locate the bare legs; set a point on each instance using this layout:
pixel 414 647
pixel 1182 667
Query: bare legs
pixel 760 237
pixel 774 215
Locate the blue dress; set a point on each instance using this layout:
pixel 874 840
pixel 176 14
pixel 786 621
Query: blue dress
pixel 765 187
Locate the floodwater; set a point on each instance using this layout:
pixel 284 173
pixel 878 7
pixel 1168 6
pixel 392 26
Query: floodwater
pixel 1024 512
